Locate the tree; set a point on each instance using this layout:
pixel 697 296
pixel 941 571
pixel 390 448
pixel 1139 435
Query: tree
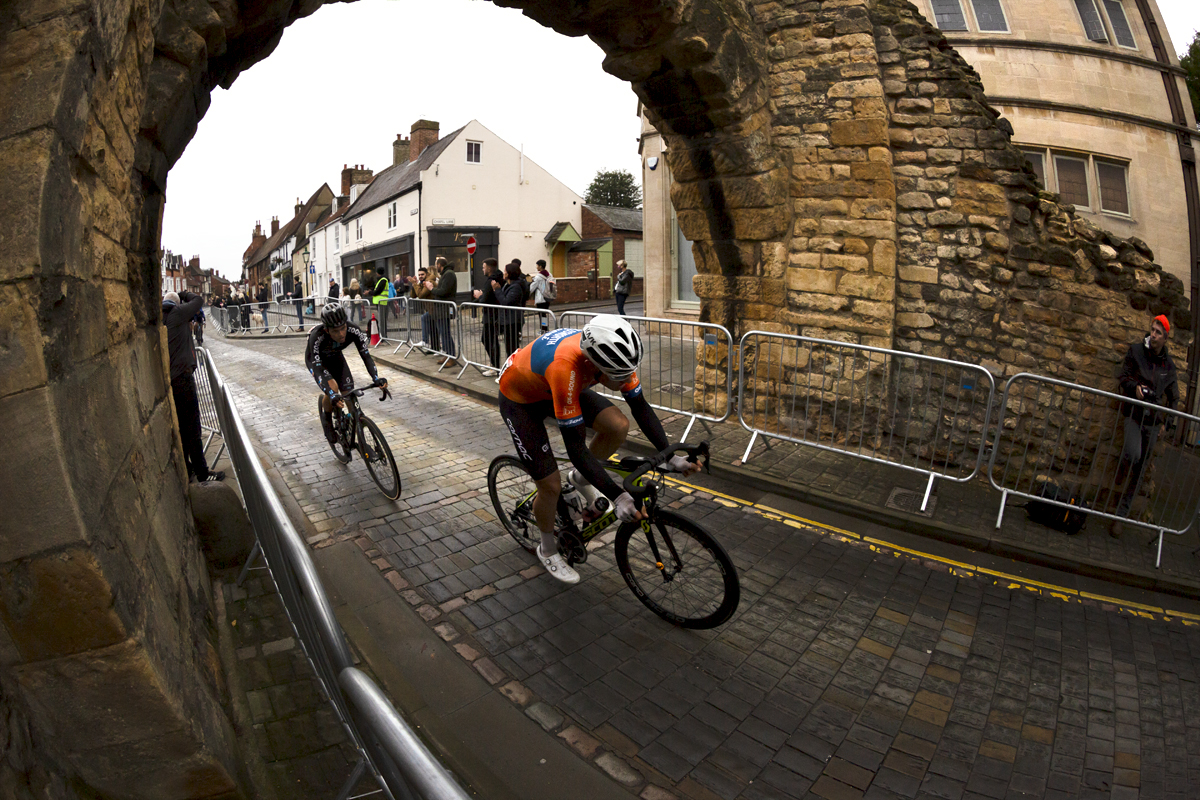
pixel 614 187
pixel 1190 61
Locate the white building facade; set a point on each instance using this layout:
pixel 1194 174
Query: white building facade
pixel 468 183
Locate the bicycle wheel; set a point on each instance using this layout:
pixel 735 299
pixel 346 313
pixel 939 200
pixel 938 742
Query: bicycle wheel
pixel 696 585
pixel 512 491
pixel 378 457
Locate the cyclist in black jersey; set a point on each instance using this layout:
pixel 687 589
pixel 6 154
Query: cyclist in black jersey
pixel 325 362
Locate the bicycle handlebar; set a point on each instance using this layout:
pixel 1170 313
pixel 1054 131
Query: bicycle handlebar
pixel 360 392
pixel 660 458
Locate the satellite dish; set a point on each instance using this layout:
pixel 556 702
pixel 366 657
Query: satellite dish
pixel 652 162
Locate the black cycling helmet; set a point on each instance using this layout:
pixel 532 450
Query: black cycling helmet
pixel 333 316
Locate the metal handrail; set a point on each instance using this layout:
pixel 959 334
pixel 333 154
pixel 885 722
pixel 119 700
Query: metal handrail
pixel 710 334
pixel 397 759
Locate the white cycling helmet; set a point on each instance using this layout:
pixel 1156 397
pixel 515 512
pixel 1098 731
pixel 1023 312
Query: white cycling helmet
pixel 611 343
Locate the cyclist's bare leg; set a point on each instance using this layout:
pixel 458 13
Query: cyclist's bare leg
pixel 544 507
pixel 611 427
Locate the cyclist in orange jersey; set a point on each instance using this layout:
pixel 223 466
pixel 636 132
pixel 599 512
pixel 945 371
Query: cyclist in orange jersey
pixel 552 377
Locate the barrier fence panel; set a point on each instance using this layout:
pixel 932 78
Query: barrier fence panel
pixel 400 763
pixel 488 335
pixel 1052 432
pixel 209 421
pixel 393 322
pixel 433 324
pixel 920 413
pixel 687 367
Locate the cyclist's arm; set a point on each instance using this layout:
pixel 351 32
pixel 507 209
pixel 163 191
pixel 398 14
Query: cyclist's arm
pixel 588 465
pixel 646 419
pixel 364 349
pixel 316 364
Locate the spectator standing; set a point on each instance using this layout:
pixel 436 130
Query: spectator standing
pixel 335 291
pixel 422 290
pixel 544 289
pixel 262 299
pixel 355 293
pixel 244 308
pixel 446 289
pixel 379 298
pixel 178 311
pixel 486 294
pixel 298 300
pixel 624 286
pixel 1148 374
pixel 514 293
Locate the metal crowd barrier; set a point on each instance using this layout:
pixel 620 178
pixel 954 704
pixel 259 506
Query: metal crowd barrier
pixel 433 324
pixel 916 412
pixel 488 334
pixel 1072 435
pixel 400 763
pixel 210 423
pixel 394 323
pixel 687 367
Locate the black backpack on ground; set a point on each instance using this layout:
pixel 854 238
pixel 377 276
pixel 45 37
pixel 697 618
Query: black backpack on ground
pixel 1052 516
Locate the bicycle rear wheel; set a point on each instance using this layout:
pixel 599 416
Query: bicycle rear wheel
pixel 378 457
pixel 512 490
pixel 696 585
pixel 341 450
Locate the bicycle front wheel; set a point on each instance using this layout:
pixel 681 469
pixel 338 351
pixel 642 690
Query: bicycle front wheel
pixel 378 457
pixel 512 490
pixel 691 583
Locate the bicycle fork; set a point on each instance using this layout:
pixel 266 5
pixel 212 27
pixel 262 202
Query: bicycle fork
pixel 667 575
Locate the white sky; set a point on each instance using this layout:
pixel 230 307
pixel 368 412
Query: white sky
pixel 344 81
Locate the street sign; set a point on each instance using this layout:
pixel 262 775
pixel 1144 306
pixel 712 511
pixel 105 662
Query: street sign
pixel 471 245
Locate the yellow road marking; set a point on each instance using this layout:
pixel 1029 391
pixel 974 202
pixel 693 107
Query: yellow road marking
pixel 1063 593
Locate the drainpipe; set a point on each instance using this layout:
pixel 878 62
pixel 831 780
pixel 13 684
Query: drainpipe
pixel 1187 158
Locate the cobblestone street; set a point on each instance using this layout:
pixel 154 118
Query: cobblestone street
pixel 850 670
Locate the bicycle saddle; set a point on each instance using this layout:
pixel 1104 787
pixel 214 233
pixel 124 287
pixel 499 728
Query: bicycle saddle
pixel 630 463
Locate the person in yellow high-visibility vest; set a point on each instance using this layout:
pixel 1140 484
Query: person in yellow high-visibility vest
pixel 379 299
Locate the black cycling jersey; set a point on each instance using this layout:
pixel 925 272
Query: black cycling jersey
pixel 324 359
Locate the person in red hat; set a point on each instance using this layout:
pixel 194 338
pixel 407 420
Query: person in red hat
pixel 1148 374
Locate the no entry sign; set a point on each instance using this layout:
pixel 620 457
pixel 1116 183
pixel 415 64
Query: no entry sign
pixel 471 245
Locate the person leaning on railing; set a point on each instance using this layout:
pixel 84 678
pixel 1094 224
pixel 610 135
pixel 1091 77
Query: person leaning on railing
pixel 445 290
pixel 514 293
pixel 1148 374
pixel 486 294
pixel 177 313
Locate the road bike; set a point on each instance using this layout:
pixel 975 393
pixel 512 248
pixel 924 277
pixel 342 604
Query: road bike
pixel 356 431
pixel 674 566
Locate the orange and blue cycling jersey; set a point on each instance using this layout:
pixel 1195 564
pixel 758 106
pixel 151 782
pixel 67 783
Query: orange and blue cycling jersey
pixel 553 367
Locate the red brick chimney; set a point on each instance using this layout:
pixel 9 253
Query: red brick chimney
pixel 424 133
pixel 274 225
pixel 400 149
pixel 354 175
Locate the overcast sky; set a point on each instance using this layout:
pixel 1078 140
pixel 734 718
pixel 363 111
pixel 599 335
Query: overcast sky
pixel 344 81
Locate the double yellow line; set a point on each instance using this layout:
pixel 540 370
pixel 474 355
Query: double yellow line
pixel 959 568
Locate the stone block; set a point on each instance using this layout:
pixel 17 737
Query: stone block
pixel 225 533
pixel 873 208
pixel 864 228
pixel 868 87
pixel 58 604
pixel 872 287
pixel 22 364
pixel 34 473
pixel 917 274
pixel 808 301
pixel 883 257
pixel 42 77
pixel 859 132
pixel 847 262
pixel 812 280
pixel 874 311
pixel 24 162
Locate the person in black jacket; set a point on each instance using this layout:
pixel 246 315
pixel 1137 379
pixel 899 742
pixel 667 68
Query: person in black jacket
pixel 1148 374
pixel 177 311
pixel 263 298
pixel 486 294
pixel 515 293
pixel 335 291
pixel 446 289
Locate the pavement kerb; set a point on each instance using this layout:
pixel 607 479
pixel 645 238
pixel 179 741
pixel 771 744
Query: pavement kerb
pixel 750 477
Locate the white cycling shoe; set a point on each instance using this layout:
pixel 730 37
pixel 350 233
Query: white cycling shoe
pixel 557 567
pixel 590 493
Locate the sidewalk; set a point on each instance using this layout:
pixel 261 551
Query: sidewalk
pixel 962 513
